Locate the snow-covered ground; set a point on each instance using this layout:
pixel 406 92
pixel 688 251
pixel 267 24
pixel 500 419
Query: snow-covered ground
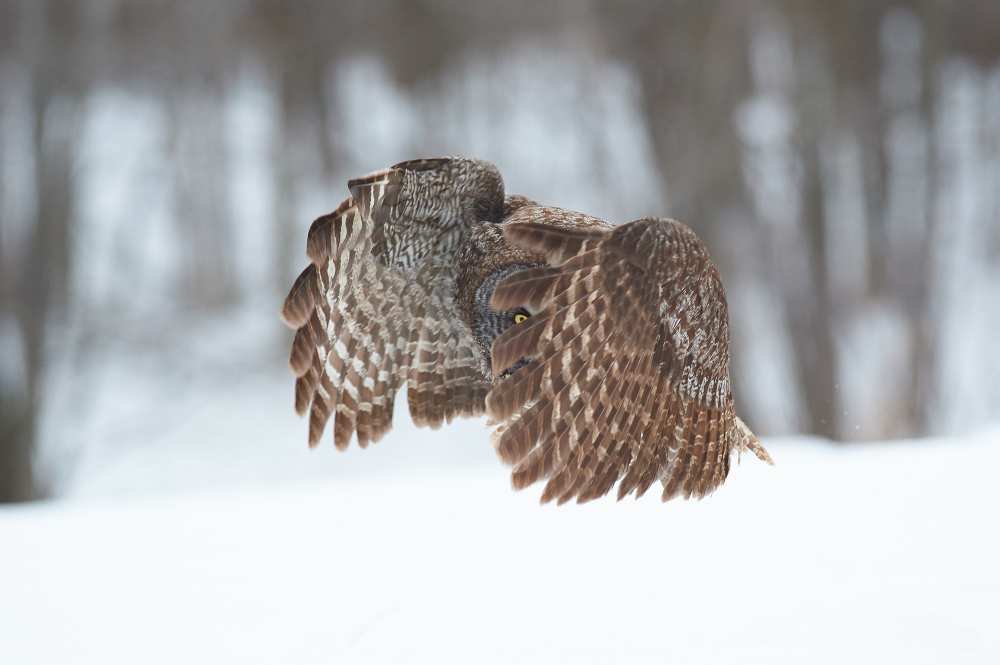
pixel 192 549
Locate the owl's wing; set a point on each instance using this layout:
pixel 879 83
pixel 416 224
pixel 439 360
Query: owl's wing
pixel 629 364
pixel 375 308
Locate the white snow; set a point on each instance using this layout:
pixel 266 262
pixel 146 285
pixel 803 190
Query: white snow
pixel 875 553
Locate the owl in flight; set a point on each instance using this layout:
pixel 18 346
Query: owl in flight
pixel 599 352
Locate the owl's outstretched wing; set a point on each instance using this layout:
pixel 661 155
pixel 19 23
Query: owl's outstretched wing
pixel 628 376
pixel 375 308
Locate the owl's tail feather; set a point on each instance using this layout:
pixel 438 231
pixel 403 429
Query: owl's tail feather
pixel 748 441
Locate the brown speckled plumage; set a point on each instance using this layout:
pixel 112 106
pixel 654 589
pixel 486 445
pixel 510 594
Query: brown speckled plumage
pixel 621 373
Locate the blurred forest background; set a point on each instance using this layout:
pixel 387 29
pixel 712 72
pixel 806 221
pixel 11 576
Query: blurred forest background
pixel 161 161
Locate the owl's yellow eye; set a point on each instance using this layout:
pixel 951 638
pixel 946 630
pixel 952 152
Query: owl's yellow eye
pixel 520 317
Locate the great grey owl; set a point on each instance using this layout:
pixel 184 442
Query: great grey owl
pixel 599 352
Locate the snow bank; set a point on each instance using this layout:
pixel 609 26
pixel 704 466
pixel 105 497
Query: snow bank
pixel 883 553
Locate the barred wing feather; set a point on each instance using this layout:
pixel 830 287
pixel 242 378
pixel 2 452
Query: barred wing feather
pixel 375 308
pixel 628 378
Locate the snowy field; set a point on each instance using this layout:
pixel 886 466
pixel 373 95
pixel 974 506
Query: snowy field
pixel 193 525
pixel 189 551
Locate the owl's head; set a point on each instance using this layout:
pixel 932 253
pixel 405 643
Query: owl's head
pixel 486 260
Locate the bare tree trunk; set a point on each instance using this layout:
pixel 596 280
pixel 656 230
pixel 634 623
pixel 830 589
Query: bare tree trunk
pixel 42 288
pixel 286 245
pixel 873 127
pixel 810 303
pixel 811 311
pixel 924 357
pixel 201 170
pixel 16 479
pixel 17 421
pixel 695 143
pixel 17 437
pixel 42 272
pixel 303 126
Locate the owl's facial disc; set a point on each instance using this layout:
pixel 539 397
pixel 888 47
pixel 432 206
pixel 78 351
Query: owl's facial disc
pixel 489 323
